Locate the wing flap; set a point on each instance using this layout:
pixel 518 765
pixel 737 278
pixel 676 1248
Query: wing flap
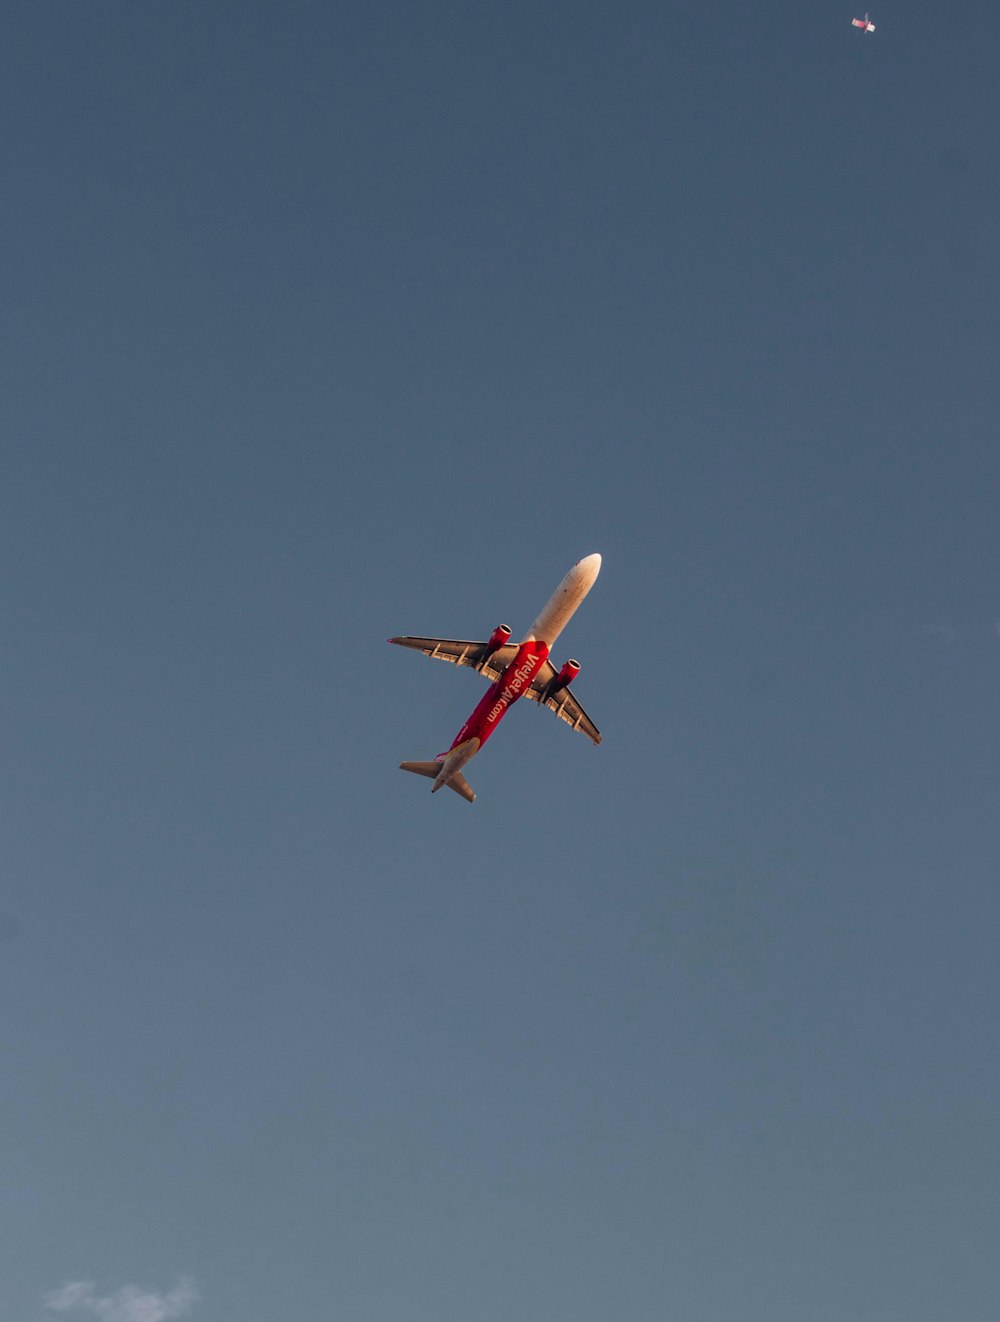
pixel 462 652
pixel 564 704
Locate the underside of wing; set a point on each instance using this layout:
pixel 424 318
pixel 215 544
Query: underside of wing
pixel 462 652
pixel 563 703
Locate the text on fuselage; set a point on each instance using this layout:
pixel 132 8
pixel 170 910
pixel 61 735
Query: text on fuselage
pixel 511 690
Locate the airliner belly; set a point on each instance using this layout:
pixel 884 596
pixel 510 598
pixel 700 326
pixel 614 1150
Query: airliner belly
pixel 561 606
pixel 500 696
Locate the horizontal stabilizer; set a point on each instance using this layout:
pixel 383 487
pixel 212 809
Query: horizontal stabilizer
pixel 458 783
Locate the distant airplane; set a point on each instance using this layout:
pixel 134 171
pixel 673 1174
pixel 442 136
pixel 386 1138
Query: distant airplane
pixel 518 670
pixel 864 23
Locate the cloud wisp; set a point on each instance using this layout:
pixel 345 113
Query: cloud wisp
pixel 130 1303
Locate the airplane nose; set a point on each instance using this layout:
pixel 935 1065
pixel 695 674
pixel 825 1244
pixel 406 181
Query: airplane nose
pixel 591 563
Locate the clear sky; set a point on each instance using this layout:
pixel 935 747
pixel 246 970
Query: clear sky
pixel 322 323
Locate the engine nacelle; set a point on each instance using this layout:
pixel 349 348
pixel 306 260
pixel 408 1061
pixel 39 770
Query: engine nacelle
pixel 563 680
pixel 568 673
pixel 500 637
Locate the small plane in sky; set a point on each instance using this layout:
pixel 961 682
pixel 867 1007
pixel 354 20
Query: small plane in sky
pixel 865 24
pixel 518 670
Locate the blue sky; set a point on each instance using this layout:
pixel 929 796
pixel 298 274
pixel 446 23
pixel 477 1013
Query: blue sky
pixel 322 324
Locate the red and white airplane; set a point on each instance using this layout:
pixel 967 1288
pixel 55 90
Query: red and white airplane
pixel 518 670
pixel 865 24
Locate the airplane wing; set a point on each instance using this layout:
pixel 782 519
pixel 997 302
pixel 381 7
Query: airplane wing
pixel 563 703
pixel 460 652
pixel 463 652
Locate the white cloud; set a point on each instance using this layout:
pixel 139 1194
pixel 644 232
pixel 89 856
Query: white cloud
pixel 128 1304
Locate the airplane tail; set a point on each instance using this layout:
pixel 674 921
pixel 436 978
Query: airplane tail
pixel 457 782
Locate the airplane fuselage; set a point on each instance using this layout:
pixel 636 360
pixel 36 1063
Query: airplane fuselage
pixel 503 693
pixel 515 681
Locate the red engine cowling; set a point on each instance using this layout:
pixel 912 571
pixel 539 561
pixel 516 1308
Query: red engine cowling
pixel 568 673
pixel 500 637
pixel 563 680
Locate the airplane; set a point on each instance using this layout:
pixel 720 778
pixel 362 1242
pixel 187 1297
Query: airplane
pixel 864 23
pixel 518 670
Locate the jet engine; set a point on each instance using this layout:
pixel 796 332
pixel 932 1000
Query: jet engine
pixel 497 639
pixel 563 680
